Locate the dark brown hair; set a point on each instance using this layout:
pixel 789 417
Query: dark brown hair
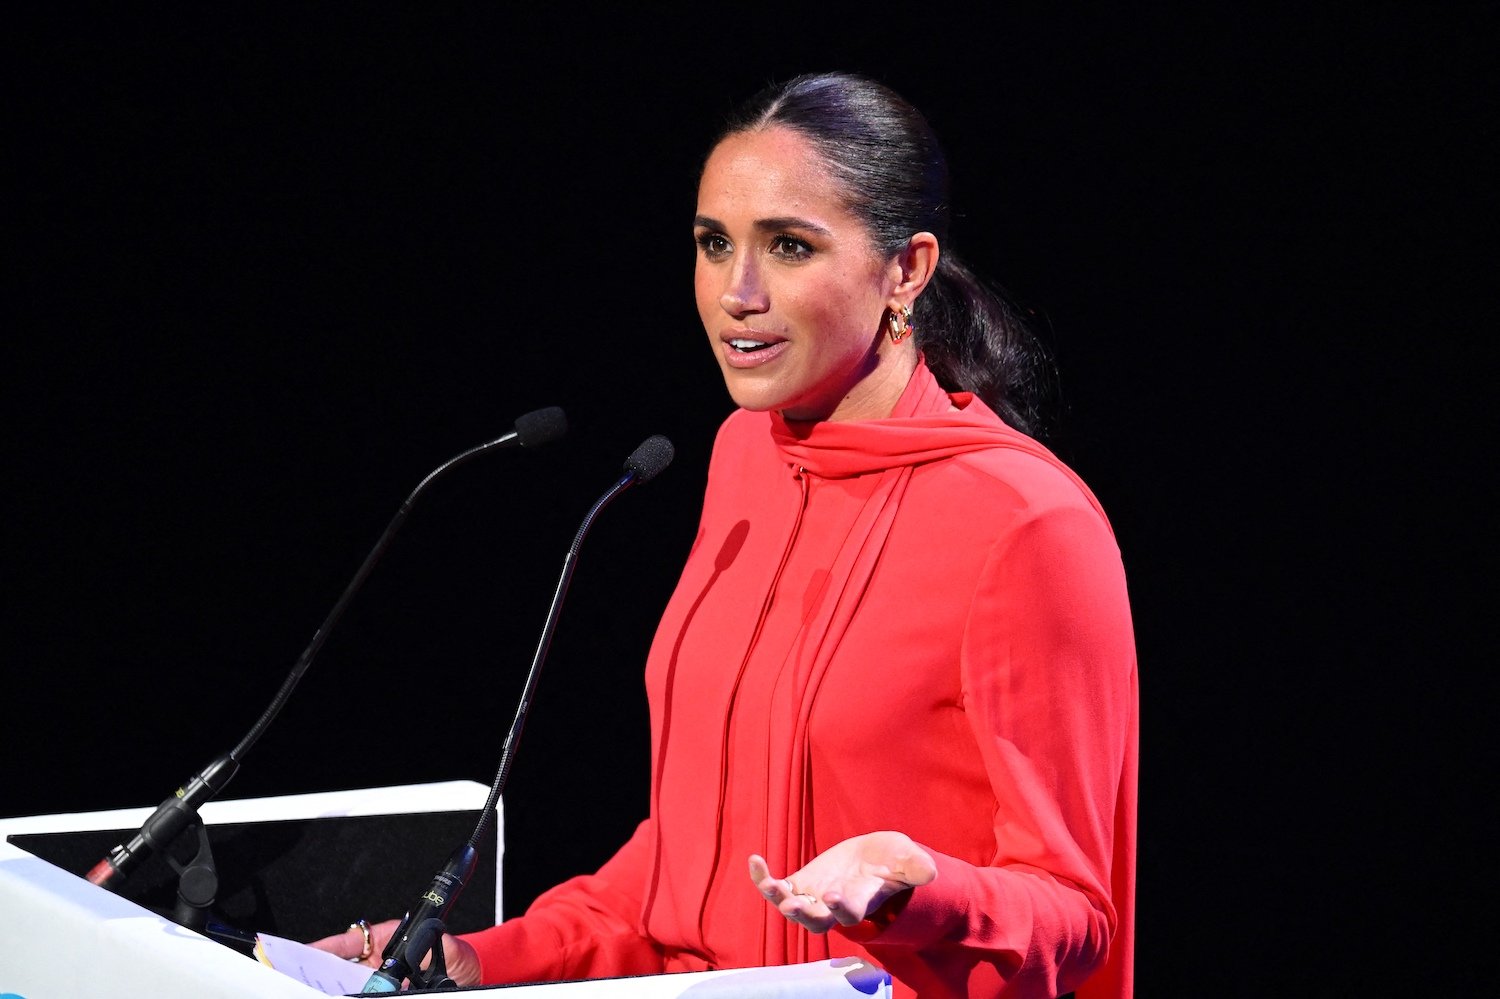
pixel 895 178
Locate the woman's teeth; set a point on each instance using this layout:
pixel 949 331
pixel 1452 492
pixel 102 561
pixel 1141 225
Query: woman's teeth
pixel 746 346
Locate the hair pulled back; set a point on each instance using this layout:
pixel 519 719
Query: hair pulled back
pixel 895 178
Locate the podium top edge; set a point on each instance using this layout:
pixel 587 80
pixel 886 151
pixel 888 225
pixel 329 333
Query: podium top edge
pixel 454 795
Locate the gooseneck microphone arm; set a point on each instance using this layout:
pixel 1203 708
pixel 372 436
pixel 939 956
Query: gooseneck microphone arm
pixel 420 931
pixel 180 810
pixel 654 454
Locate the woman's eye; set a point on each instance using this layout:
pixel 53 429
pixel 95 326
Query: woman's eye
pixel 790 247
pixel 713 244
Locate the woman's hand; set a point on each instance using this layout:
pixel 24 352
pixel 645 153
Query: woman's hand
pixel 846 883
pixel 461 958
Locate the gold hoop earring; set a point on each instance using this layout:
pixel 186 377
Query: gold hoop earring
pixel 900 325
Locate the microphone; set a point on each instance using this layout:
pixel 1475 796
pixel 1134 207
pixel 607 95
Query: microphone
pixel 180 810
pixel 421 929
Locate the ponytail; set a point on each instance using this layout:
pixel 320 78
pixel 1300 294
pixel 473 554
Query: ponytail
pixel 975 340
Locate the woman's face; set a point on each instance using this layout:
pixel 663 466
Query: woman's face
pixel 790 289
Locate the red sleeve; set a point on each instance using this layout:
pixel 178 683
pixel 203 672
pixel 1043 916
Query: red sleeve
pixel 1049 682
pixel 586 927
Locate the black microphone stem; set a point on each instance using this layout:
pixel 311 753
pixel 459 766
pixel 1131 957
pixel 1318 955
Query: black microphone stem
pixel 645 463
pixel 180 810
pixel 421 929
pixel 528 692
pixel 321 636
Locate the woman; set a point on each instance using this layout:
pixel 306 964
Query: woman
pixel 897 677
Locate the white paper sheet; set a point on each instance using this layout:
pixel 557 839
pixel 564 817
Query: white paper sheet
pixel 328 973
pixel 841 978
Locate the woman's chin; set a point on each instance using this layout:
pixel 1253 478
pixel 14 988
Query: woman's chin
pixel 752 393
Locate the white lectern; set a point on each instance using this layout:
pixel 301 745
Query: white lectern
pixel 64 938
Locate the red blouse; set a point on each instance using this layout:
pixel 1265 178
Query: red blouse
pixel 918 623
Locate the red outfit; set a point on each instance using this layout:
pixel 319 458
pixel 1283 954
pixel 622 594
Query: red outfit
pixel 920 624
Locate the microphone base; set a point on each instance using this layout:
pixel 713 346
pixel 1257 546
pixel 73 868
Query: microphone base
pixel 379 984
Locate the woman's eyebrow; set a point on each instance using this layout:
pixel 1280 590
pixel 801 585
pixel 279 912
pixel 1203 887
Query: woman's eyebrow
pixel 790 222
pixel 775 224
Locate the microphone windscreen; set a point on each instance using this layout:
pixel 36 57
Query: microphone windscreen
pixel 541 426
pixel 648 460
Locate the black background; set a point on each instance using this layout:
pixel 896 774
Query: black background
pixel 268 271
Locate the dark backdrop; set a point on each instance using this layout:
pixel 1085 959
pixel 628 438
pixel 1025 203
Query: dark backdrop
pixel 267 272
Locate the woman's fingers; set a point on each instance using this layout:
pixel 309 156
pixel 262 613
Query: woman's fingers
pixel 348 944
pixel 840 911
pixel 463 960
pixel 774 889
pixel 807 910
pixel 848 881
pixel 800 906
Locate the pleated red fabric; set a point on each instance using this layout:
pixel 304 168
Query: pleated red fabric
pixel 918 623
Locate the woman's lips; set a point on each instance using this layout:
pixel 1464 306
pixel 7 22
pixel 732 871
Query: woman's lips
pixel 748 349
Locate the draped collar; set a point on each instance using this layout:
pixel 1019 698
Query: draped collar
pixel 927 424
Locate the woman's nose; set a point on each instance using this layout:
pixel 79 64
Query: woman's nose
pixel 744 293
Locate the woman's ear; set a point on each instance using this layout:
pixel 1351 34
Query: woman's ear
pixel 913 267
